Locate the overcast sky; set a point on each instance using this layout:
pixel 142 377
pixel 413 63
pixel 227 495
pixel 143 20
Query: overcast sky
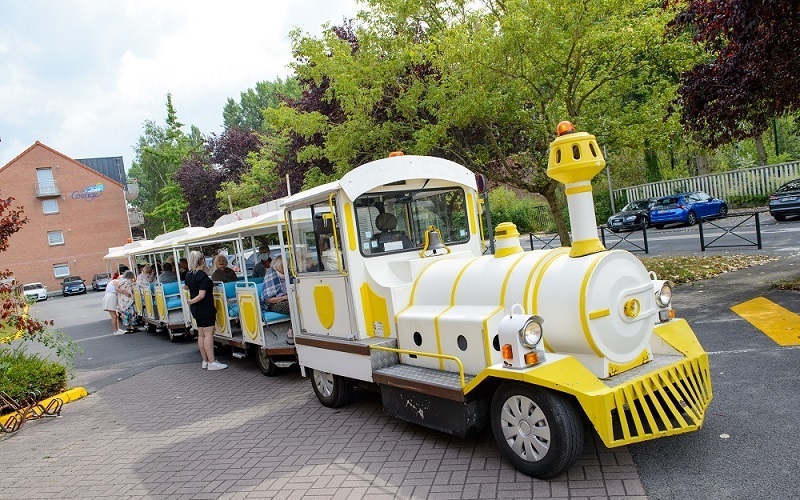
pixel 82 76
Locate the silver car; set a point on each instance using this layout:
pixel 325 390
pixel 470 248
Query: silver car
pixel 35 290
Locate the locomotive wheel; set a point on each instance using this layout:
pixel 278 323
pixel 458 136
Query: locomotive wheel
pixel 264 362
pixel 332 390
pixel 540 432
pixel 173 337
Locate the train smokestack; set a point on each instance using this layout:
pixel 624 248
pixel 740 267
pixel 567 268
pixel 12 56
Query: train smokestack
pixel 574 159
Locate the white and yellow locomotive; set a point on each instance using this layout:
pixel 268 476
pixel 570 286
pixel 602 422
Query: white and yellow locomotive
pixel 391 288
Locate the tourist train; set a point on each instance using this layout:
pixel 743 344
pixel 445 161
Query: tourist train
pixel 392 288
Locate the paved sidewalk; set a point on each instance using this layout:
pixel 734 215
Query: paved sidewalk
pixel 179 432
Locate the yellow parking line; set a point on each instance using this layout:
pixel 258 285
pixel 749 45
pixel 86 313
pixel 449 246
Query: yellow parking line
pixel 781 325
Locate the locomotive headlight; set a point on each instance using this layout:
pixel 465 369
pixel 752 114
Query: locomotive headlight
pixel 520 336
pixel 531 332
pixel 664 294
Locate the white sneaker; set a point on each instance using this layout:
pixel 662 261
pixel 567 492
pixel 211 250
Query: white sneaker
pixel 216 365
pixel 204 365
pixel 120 332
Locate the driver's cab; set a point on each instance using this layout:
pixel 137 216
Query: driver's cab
pixel 359 243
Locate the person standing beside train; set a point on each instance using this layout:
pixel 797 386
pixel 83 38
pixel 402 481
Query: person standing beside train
pixel 201 304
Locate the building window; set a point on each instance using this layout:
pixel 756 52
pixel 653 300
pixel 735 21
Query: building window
pixel 50 206
pixel 61 270
pixel 55 237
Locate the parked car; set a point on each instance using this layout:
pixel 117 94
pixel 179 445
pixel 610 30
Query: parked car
pixel 35 290
pixel 100 281
pixel 686 208
pixel 785 201
pixel 73 285
pixel 634 215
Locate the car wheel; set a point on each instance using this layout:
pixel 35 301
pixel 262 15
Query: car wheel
pixel 779 218
pixel 540 432
pixel 691 219
pixel 332 390
pixel 723 211
pixel 658 226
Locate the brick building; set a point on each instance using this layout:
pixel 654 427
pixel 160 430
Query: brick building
pixel 74 215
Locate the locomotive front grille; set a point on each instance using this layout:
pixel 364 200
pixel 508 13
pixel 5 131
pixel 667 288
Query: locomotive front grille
pixel 672 400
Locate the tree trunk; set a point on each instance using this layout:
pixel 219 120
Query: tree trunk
pixel 556 204
pixel 702 164
pixel 762 153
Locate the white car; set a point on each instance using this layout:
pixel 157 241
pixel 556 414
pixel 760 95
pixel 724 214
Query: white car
pixel 35 290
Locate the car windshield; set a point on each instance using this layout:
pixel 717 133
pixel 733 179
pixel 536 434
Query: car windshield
pixel 636 205
pixel 101 276
pixel 73 279
pixel 790 186
pixel 32 286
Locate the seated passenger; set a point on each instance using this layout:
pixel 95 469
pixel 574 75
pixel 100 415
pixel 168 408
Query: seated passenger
pixel 167 275
pixel 274 295
pixel 222 272
pixel 264 259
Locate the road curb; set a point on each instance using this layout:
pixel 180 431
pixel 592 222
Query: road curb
pixel 68 396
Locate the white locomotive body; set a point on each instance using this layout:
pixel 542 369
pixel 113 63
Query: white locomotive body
pixel 393 290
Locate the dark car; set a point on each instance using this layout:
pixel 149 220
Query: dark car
pixel 100 281
pixel 634 215
pixel 686 208
pixel 73 285
pixel 785 201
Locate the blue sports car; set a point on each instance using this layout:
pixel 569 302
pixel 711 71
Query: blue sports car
pixel 686 208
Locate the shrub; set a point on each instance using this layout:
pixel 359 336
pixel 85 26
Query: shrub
pixel 21 373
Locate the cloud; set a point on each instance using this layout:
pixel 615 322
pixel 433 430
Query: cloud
pixel 82 77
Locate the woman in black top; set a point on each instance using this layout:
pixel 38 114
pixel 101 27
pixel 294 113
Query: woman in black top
pixel 201 303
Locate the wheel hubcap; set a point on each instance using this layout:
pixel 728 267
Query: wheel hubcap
pixel 324 383
pixel 525 428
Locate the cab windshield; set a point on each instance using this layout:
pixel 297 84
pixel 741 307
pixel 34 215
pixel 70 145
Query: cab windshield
pixel 396 221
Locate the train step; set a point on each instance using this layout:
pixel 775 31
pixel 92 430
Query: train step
pixel 437 383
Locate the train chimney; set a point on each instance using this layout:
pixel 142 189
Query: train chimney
pixel 575 158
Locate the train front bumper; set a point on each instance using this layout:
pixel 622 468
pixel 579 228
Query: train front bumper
pixel 669 395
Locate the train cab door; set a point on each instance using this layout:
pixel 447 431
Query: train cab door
pixel 322 288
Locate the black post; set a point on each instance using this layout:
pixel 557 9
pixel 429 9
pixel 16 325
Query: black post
pixel 702 238
pixel 758 230
pixel 602 234
pixel 530 236
pixel 488 221
pixel 644 235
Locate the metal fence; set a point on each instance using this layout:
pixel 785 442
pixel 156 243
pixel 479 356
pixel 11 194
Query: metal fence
pixel 756 181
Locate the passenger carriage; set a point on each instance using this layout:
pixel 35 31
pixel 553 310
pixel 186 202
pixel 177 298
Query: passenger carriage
pixel 241 323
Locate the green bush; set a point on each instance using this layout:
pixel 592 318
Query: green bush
pixel 21 373
pixel 527 214
pixel 747 201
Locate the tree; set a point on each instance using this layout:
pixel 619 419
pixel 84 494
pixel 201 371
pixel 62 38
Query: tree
pixel 752 74
pixel 485 85
pixel 159 153
pixel 14 320
pixel 248 113
pixel 223 159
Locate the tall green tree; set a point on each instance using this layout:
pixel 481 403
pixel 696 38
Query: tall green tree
pixel 159 154
pixel 485 84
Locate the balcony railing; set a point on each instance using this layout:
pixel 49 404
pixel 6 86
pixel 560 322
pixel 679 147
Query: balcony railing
pixel 46 189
